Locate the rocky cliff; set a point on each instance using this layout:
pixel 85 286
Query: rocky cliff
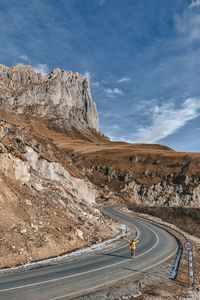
pixel 60 95
pixel 46 206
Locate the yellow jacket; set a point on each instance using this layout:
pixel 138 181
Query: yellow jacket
pixel 133 244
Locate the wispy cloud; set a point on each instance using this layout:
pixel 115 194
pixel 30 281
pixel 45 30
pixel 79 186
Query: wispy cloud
pixel 103 82
pixel 167 119
pixel 24 58
pixel 194 3
pixel 87 75
pixel 96 84
pixel 41 68
pixel 123 79
pixel 188 23
pixel 113 92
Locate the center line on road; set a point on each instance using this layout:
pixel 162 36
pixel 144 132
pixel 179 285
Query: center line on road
pixel 86 272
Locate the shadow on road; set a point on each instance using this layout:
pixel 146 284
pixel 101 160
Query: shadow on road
pixel 116 255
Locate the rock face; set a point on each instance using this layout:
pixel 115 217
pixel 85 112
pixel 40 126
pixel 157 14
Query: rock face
pixel 150 177
pixel 46 206
pixel 166 193
pixel 58 95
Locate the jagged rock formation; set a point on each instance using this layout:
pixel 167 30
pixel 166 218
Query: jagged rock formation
pixel 58 95
pixel 46 206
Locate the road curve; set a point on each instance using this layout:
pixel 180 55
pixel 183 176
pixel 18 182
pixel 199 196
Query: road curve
pixel 71 279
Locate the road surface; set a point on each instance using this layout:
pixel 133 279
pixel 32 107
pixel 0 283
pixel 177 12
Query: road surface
pixel 71 279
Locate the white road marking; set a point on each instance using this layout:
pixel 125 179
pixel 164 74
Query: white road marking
pixel 56 263
pixel 111 282
pixel 86 272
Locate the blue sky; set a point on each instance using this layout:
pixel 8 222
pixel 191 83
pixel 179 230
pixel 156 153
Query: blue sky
pixel 142 58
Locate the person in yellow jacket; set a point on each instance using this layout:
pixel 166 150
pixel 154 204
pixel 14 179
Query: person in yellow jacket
pixel 132 245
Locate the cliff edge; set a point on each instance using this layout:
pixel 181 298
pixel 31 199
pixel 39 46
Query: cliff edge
pixel 58 95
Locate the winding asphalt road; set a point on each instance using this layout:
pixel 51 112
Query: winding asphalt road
pixel 71 279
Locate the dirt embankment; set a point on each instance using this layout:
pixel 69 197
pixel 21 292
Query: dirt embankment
pixel 46 206
pixel 185 218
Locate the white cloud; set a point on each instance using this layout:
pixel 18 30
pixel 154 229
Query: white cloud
pixel 24 58
pixel 113 92
pixel 41 68
pixel 188 24
pixel 96 84
pixel 115 126
pixel 124 79
pixel 167 119
pixel 87 75
pixel 194 3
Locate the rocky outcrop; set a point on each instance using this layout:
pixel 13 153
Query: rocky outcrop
pixel 46 206
pixel 38 173
pixel 165 193
pixel 150 177
pixel 59 95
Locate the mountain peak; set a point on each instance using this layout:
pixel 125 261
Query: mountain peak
pixel 60 94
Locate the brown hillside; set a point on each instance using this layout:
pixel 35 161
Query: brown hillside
pixel 150 174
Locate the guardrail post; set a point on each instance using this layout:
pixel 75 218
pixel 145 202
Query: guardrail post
pixel 188 247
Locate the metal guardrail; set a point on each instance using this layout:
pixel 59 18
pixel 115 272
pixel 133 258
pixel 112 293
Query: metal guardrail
pixel 177 260
pixel 176 264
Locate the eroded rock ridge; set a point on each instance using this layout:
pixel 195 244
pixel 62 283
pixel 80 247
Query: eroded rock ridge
pixel 58 95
